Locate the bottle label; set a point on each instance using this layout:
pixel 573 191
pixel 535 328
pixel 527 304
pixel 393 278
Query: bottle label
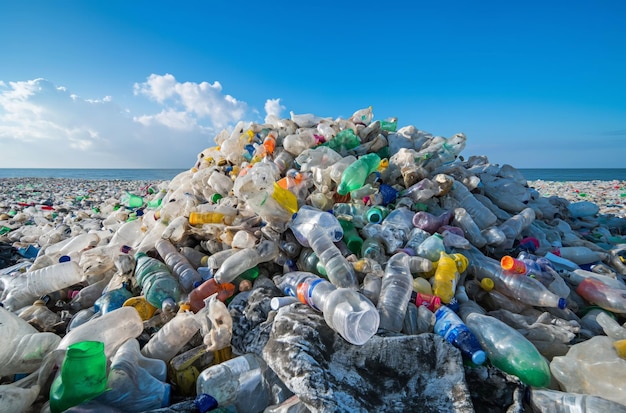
pixel 305 292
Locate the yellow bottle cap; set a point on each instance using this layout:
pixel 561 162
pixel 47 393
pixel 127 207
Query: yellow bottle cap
pixel 487 284
pixel 620 347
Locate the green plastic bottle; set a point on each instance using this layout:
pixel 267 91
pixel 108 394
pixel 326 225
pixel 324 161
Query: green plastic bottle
pixel 343 141
pixel 354 176
pixel 351 236
pixel 83 376
pixel 156 281
pixel 509 350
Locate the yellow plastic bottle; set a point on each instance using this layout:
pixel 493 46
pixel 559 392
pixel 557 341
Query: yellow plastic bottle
pixel 200 218
pixel 446 277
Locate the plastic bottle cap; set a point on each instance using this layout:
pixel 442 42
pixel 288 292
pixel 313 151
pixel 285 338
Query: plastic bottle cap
pixel 479 357
pixel 65 258
pixel 487 284
pixel 205 402
pixel 184 307
pixel 562 303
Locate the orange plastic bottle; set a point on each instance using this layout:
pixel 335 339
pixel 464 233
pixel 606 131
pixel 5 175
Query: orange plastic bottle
pixel 207 289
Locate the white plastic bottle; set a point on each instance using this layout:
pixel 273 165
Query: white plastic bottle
pixel 174 334
pixel 245 259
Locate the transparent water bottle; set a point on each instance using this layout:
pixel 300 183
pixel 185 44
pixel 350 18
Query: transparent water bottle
pixel 308 218
pixel 179 264
pixel 171 338
pixel 346 311
pixel 245 259
pixel 339 271
pixel 395 292
pixel 545 400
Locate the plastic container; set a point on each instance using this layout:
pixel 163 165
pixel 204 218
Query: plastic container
pixel 245 259
pixel 351 237
pixel 446 277
pixel 481 215
pixel 354 176
pixel 239 381
pixel 450 326
pixel 197 296
pixel 338 270
pixel 112 328
pixel 509 351
pixel 307 218
pixel 135 383
pixel 83 376
pixel 178 264
pixel 592 367
pixel 156 281
pixel 430 222
pixel 431 248
pixel 598 293
pixel 544 400
pixel 171 338
pixel 22 347
pixel 112 300
pixel 346 311
pixel 395 292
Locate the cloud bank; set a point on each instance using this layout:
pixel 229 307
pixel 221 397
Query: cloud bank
pixel 43 125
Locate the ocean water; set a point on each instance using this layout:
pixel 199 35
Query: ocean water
pixel 92 174
pixel 168 174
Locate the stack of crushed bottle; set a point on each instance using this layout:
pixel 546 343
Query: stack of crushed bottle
pixel 378 228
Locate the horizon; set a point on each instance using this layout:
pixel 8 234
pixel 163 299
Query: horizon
pixel 149 85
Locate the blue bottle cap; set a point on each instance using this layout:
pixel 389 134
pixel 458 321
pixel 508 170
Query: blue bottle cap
pixel 64 258
pixel 479 357
pixel 205 402
pixel 562 303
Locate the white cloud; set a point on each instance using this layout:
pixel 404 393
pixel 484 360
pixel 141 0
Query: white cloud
pixel 203 100
pixel 273 108
pixel 43 125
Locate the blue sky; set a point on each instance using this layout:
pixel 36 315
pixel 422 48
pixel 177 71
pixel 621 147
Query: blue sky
pixel 149 84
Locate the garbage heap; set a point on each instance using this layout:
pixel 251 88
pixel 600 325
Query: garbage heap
pixel 323 265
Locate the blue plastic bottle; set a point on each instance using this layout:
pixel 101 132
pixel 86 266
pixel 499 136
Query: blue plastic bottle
pixel 450 326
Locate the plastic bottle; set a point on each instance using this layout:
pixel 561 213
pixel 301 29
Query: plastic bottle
pixel 112 328
pixel 88 295
pixel 112 300
pixel 239 381
pixel 429 222
pixel 372 248
pixel 431 248
pixel 339 271
pixel 197 296
pixel 581 255
pixel 432 302
pixel 471 230
pixel 544 400
pixel 245 259
pixel 135 383
pixel 179 264
pixel 171 338
pixel 346 311
pixel 352 211
pixel 596 292
pixel 40 316
pixel 481 215
pixel 446 276
pixel 308 218
pixel 343 141
pixel 508 350
pixel 421 191
pixel 395 292
pixel 354 176
pixel 22 347
pixel 156 281
pixel 450 326
pixel 592 367
pixel 351 237
pixel 514 226
pixel 83 376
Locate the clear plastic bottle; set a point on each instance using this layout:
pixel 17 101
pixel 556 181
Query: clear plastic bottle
pixel 112 328
pixel 112 300
pixel 481 215
pixel 346 311
pixel 431 248
pixel 430 222
pixel 245 259
pixel 514 226
pixel 339 271
pixel 22 347
pixel 472 232
pixel 450 326
pixel 596 292
pixel 308 218
pixel 171 338
pixel 354 176
pixel 395 292
pixel 239 381
pixel 87 296
pixel 509 350
pixel 179 264
pixel 156 281
pixel 545 400
pixel 353 212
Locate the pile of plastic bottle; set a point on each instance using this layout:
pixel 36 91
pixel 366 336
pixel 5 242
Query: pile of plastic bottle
pixel 377 228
